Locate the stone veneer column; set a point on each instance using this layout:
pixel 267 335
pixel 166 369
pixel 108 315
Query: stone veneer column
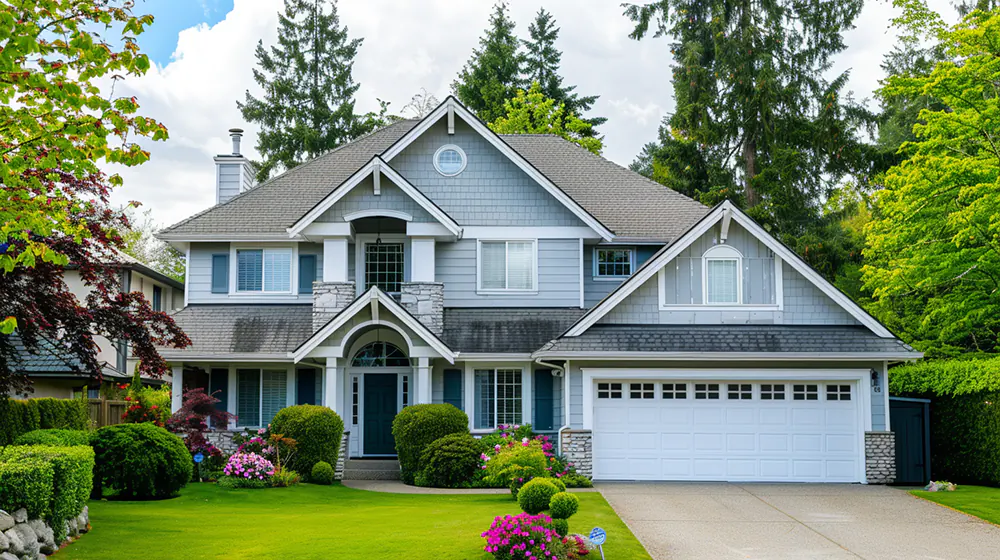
pixel 576 446
pixel 338 470
pixel 425 301
pixel 880 457
pixel 329 298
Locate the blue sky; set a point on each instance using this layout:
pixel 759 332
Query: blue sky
pixel 171 16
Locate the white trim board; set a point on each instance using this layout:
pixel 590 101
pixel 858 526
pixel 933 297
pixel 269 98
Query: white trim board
pixel 727 356
pixel 655 264
pixel 451 106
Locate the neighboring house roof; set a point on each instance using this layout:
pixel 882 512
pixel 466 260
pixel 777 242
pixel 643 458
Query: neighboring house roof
pixel 51 360
pixel 504 330
pixel 243 329
pixel 701 341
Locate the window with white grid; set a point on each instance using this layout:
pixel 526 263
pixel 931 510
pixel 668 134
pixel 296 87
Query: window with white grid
pixel 722 275
pixel 507 265
pixel 498 397
pixel 709 391
pixel 609 390
pixel 675 390
pixel 641 391
pixel 613 263
pixel 740 391
pixel 805 392
pixel 264 270
pixel 838 392
pixel 384 266
pixel 772 392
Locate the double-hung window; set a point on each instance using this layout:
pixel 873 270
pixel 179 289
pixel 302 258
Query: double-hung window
pixel 507 266
pixel 498 397
pixel 264 270
pixel 613 263
pixel 722 276
pixel 260 394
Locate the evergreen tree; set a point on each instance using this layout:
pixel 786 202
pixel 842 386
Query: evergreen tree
pixel 542 66
pixel 307 107
pixel 493 73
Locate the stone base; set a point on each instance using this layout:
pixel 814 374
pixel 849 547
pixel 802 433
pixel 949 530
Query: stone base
pixel 329 299
pixel 880 457
pixel 338 469
pixel 578 448
pixel 223 439
pixel 425 301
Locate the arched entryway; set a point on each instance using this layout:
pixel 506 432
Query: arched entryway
pixel 380 377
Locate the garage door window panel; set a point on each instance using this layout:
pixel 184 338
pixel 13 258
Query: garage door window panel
pixel 706 391
pixel 674 391
pixel 772 392
pixel 805 392
pixel 838 392
pixel 609 390
pixel 740 391
pixel 642 390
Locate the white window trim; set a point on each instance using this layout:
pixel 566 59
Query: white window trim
pixel 461 153
pixel 234 266
pixel 608 278
pixel 506 291
pixel 527 380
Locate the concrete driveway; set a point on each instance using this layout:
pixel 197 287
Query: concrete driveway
pixel 770 521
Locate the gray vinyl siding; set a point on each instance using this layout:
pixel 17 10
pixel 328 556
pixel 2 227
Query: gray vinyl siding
pixel 805 304
pixel 575 397
pixel 228 180
pixel 594 289
pixel 363 197
pixel 200 276
pixel 491 191
pixel 558 276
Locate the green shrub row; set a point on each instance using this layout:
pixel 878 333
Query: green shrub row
pixel 26 484
pixel 22 416
pixel 140 461
pixel 53 482
pixel 416 427
pixel 55 436
pixel 946 377
pixel 965 438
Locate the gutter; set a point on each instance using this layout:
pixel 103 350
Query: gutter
pixel 565 397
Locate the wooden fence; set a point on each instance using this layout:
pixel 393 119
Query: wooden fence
pixel 104 412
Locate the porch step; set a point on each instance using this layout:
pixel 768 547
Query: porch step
pixel 371 469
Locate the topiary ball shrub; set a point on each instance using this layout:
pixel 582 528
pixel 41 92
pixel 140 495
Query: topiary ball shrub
pixel 322 473
pixel 54 437
pixel 563 505
pixel 535 495
pixel 317 431
pixel 450 461
pixel 416 427
pixel 140 461
pixel 561 526
pixel 559 484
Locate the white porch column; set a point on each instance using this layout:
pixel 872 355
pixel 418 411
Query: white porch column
pixel 422 257
pixel 335 259
pixel 233 397
pixel 176 387
pixel 423 381
pixel 333 382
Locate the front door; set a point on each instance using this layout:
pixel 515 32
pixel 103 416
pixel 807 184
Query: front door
pixel 381 393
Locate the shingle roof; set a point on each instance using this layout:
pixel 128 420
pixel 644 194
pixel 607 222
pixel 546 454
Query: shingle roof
pixel 505 330
pixel 52 360
pixel 222 329
pixel 728 338
pixel 630 205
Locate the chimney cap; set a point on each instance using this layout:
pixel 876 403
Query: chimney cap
pixel 235 131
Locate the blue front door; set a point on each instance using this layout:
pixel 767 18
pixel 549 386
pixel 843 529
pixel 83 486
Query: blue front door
pixel 381 398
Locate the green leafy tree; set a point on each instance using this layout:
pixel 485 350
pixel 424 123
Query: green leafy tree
pixel 531 112
pixel 933 255
pixel 140 243
pixel 493 73
pixel 307 106
pixel 542 65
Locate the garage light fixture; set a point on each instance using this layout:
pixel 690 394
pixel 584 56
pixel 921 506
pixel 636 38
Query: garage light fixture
pixel 876 379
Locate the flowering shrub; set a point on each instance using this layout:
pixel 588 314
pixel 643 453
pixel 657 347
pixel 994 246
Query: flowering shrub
pixel 577 546
pixel 191 422
pixel 502 466
pixel 511 437
pixel 248 465
pixel 147 404
pixel 254 441
pixel 523 536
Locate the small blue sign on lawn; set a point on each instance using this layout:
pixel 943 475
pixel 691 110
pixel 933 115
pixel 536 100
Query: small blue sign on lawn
pixel 198 457
pixel 598 536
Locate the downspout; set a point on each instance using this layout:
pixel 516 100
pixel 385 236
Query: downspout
pixel 565 398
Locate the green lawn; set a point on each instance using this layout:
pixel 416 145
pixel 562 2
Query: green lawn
pixel 981 501
pixel 309 521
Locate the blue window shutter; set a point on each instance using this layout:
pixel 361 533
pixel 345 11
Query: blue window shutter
pixel 220 274
pixel 305 379
pixel 453 388
pixel 307 273
pixel 218 387
pixel 544 401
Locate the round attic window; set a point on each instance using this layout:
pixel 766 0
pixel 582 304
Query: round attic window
pixel 449 160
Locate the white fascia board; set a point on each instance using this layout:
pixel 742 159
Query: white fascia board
pixel 727 374
pixel 730 356
pixel 375 213
pixel 532 232
pixel 488 357
pixel 452 105
pixel 421 229
pixel 223 237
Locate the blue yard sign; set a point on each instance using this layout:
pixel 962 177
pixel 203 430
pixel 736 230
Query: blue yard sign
pixel 598 537
pixel 199 457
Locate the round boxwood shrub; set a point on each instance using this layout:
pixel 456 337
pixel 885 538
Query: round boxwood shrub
pixel 416 427
pixel 559 484
pixel 322 473
pixel 535 495
pixel 317 431
pixel 563 505
pixel 54 437
pixel 561 526
pixel 140 461
pixel 450 461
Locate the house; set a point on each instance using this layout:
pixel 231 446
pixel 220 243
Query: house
pixel 57 373
pixel 524 279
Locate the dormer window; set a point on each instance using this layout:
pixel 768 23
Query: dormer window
pixel 449 160
pixel 723 277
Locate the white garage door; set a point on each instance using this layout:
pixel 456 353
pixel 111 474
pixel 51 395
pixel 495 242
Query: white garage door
pixel 801 431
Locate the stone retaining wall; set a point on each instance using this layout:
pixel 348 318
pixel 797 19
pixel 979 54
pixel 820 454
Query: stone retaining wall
pixel 223 439
pixel 578 448
pixel 32 539
pixel 880 457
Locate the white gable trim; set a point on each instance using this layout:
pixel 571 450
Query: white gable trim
pixel 375 212
pixel 376 165
pixel 451 106
pixel 373 297
pixel 784 253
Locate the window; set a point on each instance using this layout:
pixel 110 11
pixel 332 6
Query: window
pixel 675 390
pixel 805 392
pixel 260 394
pixel 380 354
pixel 838 392
pixel 449 160
pixel 355 399
pixel 706 391
pixel 384 266
pixel 770 392
pixel 722 275
pixel 613 263
pixel 609 390
pixel 498 397
pixel 264 270
pixel 507 265
pixel 157 298
pixel 641 391
pixel 740 392
pixel 406 391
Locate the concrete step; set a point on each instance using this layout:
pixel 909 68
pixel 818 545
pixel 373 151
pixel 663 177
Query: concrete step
pixel 371 469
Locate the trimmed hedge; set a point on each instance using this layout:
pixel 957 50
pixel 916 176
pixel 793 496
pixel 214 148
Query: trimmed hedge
pixel 451 461
pixel 54 437
pixel 416 427
pixel 535 495
pixel 317 431
pixel 22 416
pixel 26 484
pixel 140 461
pixel 72 478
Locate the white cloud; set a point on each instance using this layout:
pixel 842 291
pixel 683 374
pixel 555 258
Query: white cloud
pixel 408 46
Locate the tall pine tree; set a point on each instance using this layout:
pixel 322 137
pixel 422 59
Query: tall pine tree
pixel 542 66
pixel 494 72
pixel 307 107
